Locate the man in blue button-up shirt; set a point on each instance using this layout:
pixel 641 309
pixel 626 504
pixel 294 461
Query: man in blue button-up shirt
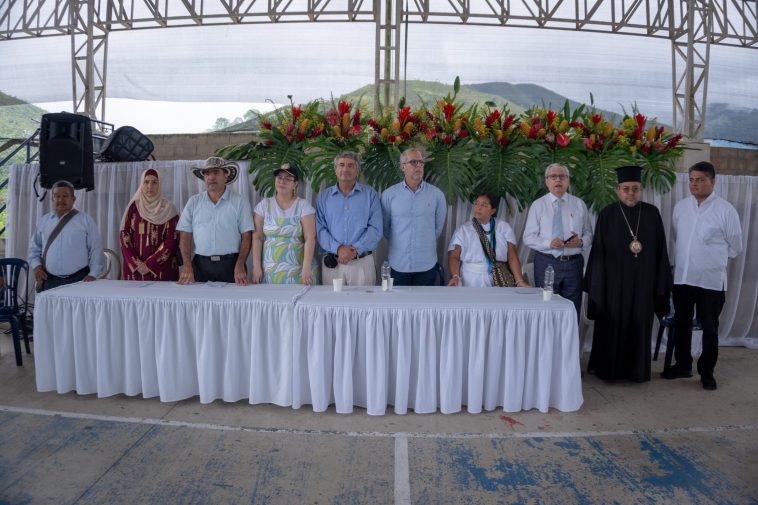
pixel 348 225
pixel 220 223
pixel 414 214
pixel 75 254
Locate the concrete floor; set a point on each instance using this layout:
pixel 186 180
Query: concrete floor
pixel 659 442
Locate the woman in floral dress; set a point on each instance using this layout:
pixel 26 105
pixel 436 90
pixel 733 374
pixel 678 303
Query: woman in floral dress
pixel 284 240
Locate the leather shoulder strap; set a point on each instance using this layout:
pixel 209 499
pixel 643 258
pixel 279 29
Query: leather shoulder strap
pixel 56 231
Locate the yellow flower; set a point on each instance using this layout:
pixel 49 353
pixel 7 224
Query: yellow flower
pixel 541 132
pixel 608 129
pixel 398 140
pixel 498 134
pixel 384 133
pixel 650 134
pixel 525 128
pixel 336 131
pixel 409 128
pixel 563 127
pixel 304 126
pixel 457 124
pixel 396 125
pixel 346 121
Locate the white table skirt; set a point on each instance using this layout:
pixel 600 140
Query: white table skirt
pixel 414 348
pixel 425 348
pixel 161 339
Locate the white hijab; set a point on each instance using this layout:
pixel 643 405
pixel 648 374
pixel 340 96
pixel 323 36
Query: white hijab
pixel 157 209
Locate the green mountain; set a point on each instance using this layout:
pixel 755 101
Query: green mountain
pixel 18 120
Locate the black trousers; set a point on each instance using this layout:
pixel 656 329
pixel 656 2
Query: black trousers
pixel 206 269
pixel 708 303
pixel 53 281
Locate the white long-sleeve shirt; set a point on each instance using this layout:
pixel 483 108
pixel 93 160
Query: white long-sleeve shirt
pixel 538 232
pixel 705 237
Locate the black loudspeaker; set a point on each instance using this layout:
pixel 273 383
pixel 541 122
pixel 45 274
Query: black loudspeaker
pixel 65 151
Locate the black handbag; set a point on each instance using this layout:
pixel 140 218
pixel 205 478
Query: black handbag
pixel 126 144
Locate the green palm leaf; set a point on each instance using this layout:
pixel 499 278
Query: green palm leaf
pixel 381 164
pixel 504 171
pixel 452 169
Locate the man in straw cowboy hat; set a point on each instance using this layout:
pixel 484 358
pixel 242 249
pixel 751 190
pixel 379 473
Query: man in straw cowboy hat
pixel 220 223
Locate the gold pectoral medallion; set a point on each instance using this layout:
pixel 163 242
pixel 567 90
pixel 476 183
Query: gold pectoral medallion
pixel 635 246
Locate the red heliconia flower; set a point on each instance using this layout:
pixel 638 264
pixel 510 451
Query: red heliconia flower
pixel 332 117
pixel 296 111
pixel 300 137
pixel 429 116
pixel 343 107
pixel 587 143
pixel 357 118
pixel 463 134
pixel 316 132
pixel 537 121
pixel 266 125
pixel 290 128
pixel 270 142
pixel 533 132
pixel 405 135
pixel 562 139
pixel 597 146
pixel 508 121
pixel 373 124
pixel 356 129
pixel 659 146
pixel 448 140
pixel 550 117
pixel 430 134
pixel 674 141
pixel 645 148
pixel 491 118
pixel 374 139
pixel 640 120
pixel 404 114
pixel 422 125
pixel 596 118
pixel 659 133
pixel 504 141
pixel 576 124
pixel 448 110
pixel 391 138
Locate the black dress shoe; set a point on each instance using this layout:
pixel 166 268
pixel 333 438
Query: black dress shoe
pixel 675 372
pixel 708 381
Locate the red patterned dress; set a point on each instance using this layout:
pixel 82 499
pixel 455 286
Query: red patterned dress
pixel 153 244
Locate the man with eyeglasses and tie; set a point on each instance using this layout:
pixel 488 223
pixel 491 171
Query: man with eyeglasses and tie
pixel 414 215
pixel 559 230
pixel 628 282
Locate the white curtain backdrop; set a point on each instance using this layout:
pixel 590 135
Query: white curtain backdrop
pixel 115 183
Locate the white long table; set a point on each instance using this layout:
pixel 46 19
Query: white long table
pixel 414 348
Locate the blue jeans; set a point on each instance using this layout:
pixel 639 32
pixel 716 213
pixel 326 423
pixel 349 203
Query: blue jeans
pixel 428 278
pixel 568 277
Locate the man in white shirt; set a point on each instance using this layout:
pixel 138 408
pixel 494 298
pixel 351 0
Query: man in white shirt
pixel 558 229
pixel 707 233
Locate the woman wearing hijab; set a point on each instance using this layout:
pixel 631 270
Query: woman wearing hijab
pixel 148 233
pixel 284 240
pixel 468 261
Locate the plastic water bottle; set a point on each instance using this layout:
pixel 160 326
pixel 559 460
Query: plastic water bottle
pixel 549 279
pixel 386 271
pixel 386 274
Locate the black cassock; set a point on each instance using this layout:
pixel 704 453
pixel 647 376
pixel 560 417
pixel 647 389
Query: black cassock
pixel 626 291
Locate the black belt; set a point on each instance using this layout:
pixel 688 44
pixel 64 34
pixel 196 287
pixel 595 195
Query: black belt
pixel 560 258
pixel 84 271
pixel 364 255
pixel 218 257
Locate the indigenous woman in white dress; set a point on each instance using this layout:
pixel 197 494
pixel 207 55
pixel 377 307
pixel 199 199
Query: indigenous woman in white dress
pixel 284 240
pixel 467 262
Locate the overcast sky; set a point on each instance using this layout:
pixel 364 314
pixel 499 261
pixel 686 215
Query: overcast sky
pixel 225 70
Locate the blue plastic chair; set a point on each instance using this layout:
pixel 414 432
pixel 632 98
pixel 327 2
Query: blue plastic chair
pixel 13 301
pixel 663 324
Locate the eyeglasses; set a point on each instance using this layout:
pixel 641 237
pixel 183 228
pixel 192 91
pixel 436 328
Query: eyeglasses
pixel 557 177
pixel 630 189
pixel 285 178
pixel 415 163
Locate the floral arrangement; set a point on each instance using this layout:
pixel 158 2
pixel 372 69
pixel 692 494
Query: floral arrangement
pixel 469 149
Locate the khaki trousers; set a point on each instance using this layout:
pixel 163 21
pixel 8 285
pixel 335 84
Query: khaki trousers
pixel 358 272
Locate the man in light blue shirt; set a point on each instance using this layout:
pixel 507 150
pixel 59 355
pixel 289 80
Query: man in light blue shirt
pixel 348 225
pixel 414 215
pixel 75 253
pixel 220 223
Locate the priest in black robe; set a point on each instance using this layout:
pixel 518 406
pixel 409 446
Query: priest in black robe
pixel 628 281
